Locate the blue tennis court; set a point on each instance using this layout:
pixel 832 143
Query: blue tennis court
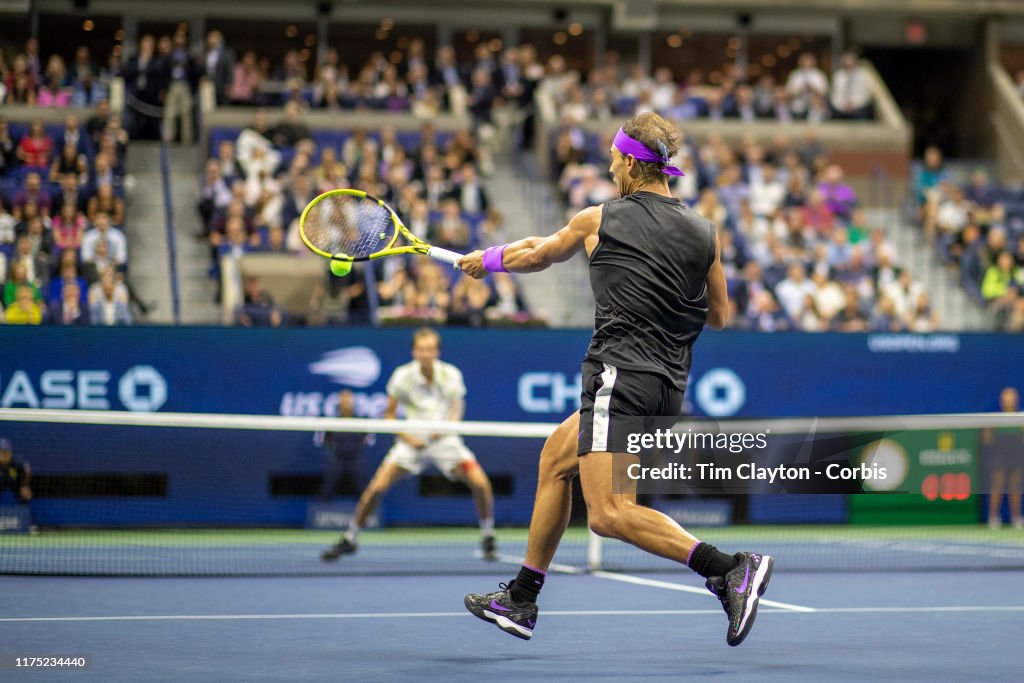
pixel 907 626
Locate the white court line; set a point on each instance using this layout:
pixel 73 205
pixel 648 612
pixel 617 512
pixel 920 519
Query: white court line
pixel 552 613
pixel 653 583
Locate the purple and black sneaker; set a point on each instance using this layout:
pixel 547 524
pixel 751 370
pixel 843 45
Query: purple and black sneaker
pixel 501 610
pixel 739 592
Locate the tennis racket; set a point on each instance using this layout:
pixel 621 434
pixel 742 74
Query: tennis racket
pixel 351 225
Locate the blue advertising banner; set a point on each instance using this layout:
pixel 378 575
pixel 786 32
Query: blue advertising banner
pixel 518 375
pixel 511 375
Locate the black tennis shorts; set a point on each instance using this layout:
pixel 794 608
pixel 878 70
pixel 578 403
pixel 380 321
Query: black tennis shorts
pixel 614 399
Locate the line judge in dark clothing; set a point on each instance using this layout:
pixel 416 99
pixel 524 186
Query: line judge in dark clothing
pixel 1003 450
pixel 344 454
pixel 14 476
pixel 658 280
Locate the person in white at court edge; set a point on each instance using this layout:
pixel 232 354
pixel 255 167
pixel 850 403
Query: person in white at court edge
pixel 426 389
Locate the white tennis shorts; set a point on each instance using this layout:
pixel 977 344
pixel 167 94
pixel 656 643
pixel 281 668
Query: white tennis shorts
pixel 445 454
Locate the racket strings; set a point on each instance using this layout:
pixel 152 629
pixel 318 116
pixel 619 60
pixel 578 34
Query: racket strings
pixel 348 225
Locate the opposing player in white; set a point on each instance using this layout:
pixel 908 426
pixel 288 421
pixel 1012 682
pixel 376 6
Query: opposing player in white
pixel 426 389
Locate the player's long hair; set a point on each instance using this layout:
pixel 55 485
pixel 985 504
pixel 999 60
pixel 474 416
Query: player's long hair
pixel 659 136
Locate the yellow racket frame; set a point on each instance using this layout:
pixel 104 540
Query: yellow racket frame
pixel 415 246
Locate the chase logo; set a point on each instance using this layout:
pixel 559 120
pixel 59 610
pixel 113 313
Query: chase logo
pixel 356 366
pixel 720 392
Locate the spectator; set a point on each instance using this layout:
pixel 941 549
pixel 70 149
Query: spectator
pixel 21 85
pixel 982 192
pixel 54 91
pixel 33 194
pixel 839 196
pixel 793 290
pixel 146 82
pixel 103 173
pixel 68 309
pixel 851 317
pixel 7 225
pixel 507 301
pixel 96 125
pixel 246 80
pixel 1002 282
pixel 803 82
pixel 468 302
pixel 289 131
pixel 885 318
pixel 41 243
pixel 68 228
pixel 82 65
pixel 25 309
pixel 109 306
pixel 851 89
pixel 921 317
pixel 35 263
pixel 451 232
pixel 67 270
pixel 219 65
pixel 15 476
pixel 71 134
pixel 32 58
pixel 258 308
pixel 469 192
pixel 87 91
pixel 71 195
pixel 103 231
pixel 36 149
pixel 764 96
pixel 8 149
pixel 70 162
pixel 100 260
pixel 179 101
pixel 766 316
pixel 107 203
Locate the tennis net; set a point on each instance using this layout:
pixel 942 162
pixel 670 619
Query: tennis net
pixel 200 494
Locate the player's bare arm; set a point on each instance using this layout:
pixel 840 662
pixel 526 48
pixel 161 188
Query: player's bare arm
pixel 718 294
pixel 533 254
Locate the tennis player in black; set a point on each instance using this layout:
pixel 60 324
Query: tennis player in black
pixel 657 281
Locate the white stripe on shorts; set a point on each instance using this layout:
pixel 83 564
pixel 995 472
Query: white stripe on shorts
pixel 602 401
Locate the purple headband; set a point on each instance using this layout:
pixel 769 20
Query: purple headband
pixel 641 152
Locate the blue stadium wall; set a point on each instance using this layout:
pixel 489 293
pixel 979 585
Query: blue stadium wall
pixel 224 477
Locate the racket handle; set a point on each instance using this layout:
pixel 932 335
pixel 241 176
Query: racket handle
pixel 445 255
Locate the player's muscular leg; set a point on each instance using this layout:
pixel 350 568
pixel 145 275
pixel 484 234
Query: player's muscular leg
pixel 617 515
pixel 385 477
pixel 472 475
pixel 553 502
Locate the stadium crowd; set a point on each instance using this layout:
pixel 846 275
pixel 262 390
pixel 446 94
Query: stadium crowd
pixel 805 94
pixel 977 228
pixel 798 251
pixel 63 251
pixel 259 179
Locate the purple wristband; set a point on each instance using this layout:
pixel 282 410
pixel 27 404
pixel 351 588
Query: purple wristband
pixel 492 259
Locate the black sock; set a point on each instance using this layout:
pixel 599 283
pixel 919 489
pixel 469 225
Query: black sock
pixel 707 560
pixel 527 584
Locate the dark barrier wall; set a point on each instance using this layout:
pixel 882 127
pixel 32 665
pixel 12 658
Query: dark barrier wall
pixel 210 476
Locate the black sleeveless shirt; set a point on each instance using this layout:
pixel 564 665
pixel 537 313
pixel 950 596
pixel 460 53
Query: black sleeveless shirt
pixel 649 278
